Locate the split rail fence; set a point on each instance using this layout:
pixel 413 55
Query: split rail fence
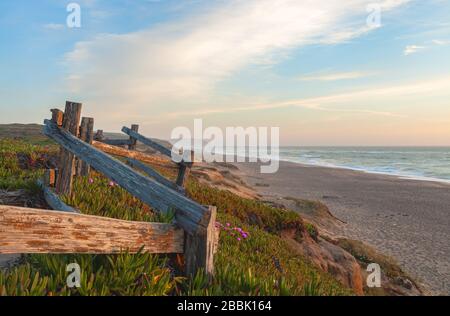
pixel 65 230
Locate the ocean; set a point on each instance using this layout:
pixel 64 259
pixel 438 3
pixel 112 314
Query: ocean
pixel 423 163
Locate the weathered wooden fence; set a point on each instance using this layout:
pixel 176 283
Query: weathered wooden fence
pixel 134 136
pixel 43 231
pixel 39 231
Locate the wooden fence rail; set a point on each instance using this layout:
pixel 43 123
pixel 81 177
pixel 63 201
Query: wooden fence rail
pixel 191 216
pixel 122 152
pixel 192 233
pixel 53 199
pixel 154 174
pixel 162 149
pixel 184 166
pixel 117 142
pixel 24 230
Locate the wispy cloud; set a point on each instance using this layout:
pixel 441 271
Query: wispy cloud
pixel 336 76
pixel 157 69
pixel 441 42
pixel 412 49
pixel 332 102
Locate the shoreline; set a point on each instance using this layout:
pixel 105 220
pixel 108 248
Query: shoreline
pixel 407 219
pixel 397 175
pixel 332 166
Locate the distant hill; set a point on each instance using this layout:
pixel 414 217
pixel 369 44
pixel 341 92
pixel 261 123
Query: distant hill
pixel 33 133
pixel 29 132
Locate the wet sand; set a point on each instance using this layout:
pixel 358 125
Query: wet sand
pixel 407 219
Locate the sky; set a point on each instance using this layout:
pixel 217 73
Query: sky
pixel 324 71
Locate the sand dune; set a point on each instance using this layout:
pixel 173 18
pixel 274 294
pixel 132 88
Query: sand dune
pixel 407 219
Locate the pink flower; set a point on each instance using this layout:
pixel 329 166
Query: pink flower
pixel 111 183
pixel 235 232
pixel 91 180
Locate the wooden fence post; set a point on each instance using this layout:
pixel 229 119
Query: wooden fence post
pixel 49 177
pixel 133 141
pixel 71 122
pixel 57 117
pixel 99 135
pixel 200 248
pixel 86 135
pixel 184 171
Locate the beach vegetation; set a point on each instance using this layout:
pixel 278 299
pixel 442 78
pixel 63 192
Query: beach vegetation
pixel 252 258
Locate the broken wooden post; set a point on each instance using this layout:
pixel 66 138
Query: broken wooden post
pixel 49 177
pixel 86 135
pixel 133 141
pixel 200 248
pixel 184 171
pixel 57 116
pixel 66 164
pixel 99 135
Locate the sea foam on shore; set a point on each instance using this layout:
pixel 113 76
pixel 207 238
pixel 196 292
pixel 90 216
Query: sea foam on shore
pixel 419 163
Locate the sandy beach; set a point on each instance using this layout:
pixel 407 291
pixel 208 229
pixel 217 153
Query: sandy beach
pixel 406 219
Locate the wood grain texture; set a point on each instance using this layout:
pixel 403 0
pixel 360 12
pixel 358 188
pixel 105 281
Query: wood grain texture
pixel 99 135
pixel 86 135
pixel 183 175
pixel 24 230
pixel 154 174
pixel 133 141
pixel 184 171
pixel 66 164
pixel 49 177
pixel 57 116
pixel 122 152
pixel 146 141
pixel 190 215
pixel 53 199
pixel 85 168
pixel 200 248
pixel 117 142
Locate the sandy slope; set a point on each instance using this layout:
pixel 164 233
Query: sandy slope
pixel 407 219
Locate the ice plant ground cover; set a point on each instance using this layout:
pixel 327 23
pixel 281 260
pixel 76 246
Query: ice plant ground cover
pixel 248 261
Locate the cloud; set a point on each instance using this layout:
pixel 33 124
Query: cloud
pixel 329 102
pixel 412 49
pixel 336 76
pixel 441 42
pixel 178 64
